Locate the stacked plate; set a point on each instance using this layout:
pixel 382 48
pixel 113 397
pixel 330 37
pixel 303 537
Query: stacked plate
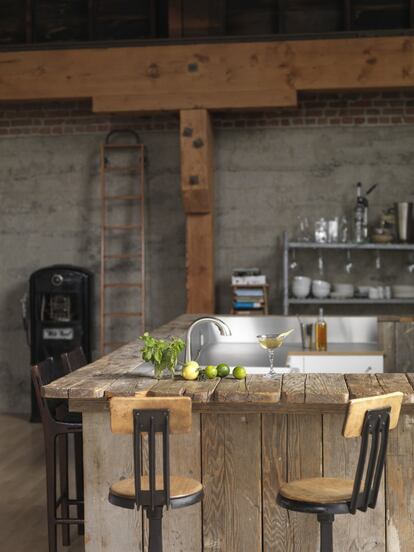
pixel 403 292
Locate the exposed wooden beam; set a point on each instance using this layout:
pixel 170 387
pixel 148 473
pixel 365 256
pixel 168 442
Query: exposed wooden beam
pixel 212 76
pixel 197 185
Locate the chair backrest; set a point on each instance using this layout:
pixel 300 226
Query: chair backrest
pixel 151 415
pixel 73 360
pixel 371 418
pixel 43 373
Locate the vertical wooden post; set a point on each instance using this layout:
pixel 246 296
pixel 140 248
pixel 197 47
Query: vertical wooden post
pixel 197 174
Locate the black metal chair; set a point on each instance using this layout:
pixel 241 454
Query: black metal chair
pixel 71 362
pixel 371 419
pixel 152 492
pixel 57 425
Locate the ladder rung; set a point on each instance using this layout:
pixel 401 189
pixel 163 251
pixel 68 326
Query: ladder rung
pixel 122 314
pixel 121 285
pixel 121 226
pixel 135 256
pixel 122 197
pixel 123 146
pixel 128 170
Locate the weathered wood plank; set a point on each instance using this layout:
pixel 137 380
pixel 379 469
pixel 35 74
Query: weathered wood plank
pixel 107 458
pixel 364 531
pixel 231 476
pixel 168 388
pixel 363 385
pixel 93 380
pixel 201 391
pixel 242 481
pixel 326 388
pixel 397 382
pixel 304 460
pixel 399 482
pixel 404 347
pixel 293 388
pixel 276 530
pixel 386 341
pixel 252 389
pixel 214 507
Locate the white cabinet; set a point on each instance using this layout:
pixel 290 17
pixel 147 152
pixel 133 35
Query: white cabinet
pixel 341 363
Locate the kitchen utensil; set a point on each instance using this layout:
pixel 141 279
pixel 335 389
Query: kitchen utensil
pixel 306 332
pixel 293 263
pixel 348 262
pixel 405 221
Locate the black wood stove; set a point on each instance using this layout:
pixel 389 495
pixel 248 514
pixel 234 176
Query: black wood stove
pixel 60 314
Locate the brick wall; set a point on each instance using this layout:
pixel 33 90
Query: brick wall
pixel 323 109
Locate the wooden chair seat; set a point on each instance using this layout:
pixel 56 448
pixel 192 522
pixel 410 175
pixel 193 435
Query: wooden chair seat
pixel 180 487
pixel 322 490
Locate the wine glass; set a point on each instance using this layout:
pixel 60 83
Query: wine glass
pixel 271 342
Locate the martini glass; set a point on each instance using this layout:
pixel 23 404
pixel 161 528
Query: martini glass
pixel 271 342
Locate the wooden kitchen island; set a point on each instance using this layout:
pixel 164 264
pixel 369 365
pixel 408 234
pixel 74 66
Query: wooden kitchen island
pixel 246 438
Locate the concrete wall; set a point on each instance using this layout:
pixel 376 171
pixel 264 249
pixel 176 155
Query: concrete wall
pixel 49 206
pixel 49 209
pixel 267 178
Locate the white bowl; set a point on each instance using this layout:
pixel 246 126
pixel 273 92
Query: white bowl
pixel 320 289
pixel 300 292
pixel 321 284
pixel 304 280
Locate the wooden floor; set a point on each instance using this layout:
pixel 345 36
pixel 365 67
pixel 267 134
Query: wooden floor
pixel 23 489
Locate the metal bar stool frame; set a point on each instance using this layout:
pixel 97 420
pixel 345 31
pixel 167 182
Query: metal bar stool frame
pixel 371 460
pixel 56 434
pixel 154 499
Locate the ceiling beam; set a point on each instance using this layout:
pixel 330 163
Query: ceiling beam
pixel 212 76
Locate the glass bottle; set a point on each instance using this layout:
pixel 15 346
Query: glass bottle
pixel 321 333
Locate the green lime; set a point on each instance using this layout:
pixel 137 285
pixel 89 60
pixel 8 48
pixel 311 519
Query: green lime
pixel 210 372
pixel 223 370
pixel 239 372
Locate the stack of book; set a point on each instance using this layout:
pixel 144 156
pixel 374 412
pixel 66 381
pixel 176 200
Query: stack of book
pixel 249 291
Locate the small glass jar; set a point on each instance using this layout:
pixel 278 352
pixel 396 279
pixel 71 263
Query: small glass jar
pixel 321 231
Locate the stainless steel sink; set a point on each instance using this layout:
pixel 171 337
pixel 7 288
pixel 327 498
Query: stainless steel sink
pixel 209 347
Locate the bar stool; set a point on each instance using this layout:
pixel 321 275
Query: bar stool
pixel 152 492
pixel 57 425
pixel 71 362
pixel 371 419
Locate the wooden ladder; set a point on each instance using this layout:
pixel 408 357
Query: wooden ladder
pixel 122 195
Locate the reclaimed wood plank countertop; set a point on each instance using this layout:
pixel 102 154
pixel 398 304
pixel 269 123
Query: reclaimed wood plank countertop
pixel 120 374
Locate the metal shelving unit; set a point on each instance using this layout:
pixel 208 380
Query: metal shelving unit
pixel 287 246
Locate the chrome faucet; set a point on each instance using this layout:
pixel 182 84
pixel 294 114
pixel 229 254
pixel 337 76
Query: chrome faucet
pixel 222 327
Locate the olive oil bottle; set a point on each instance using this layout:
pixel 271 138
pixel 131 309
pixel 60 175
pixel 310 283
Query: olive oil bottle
pixel 321 333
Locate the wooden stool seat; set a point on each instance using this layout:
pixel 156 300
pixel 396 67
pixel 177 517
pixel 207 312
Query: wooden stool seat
pixel 324 490
pixel 180 487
